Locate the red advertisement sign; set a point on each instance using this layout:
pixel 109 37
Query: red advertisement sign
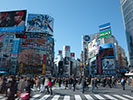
pixel 44 58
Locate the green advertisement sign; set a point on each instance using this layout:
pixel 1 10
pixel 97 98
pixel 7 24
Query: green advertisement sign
pixel 105 34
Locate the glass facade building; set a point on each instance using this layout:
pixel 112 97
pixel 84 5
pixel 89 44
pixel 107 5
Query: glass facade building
pixel 127 11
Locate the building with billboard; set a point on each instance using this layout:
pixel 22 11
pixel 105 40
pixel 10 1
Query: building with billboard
pixel 127 10
pixel 103 53
pixel 38 38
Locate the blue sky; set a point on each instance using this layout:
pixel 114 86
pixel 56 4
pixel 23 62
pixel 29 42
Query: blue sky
pixel 74 18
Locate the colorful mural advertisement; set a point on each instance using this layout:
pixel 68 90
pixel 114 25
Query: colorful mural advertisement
pixel 40 23
pixel 12 21
pixel 108 66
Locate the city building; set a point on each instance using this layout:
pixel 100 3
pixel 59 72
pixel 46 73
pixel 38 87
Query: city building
pixel 67 64
pixel 26 49
pixel 103 54
pixel 127 12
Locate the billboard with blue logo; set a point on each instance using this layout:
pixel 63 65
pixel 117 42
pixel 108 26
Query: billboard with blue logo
pixel 105 30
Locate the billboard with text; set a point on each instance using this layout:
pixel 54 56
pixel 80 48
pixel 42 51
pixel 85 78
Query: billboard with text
pixel 40 23
pixel 12 21
pixel 108 66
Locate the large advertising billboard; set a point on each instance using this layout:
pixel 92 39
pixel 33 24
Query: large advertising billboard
pixel 108 66
pixel 12 21
pixel 40 23
pixel 105 30
pixel 93 48
pixel 107 50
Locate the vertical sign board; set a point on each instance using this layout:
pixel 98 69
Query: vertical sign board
pixel 105 30
pixel 15 47
pixel 44 64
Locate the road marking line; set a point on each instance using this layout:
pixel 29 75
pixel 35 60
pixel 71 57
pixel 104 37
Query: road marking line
pixel 120 97
pixel 66 97
pixel 56 97
pixel 44 97
pixel 77 97
pixel 88 97
pixel 37 95
pixel 99 97
pixel 110 97
pixel 128 96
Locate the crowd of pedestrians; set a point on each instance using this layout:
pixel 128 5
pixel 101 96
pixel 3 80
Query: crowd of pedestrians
pixel 14 86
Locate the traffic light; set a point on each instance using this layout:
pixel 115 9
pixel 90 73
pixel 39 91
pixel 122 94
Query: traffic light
pixel 21 36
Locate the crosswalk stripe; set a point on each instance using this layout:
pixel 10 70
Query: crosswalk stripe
pixel 37 95
pixel 67 97
pixel 88 97
pixel 99 97
pixel 56 97
pixel 44 97
pixel 120 97
pixel 110 97
pixel 129 96
pixel 77 97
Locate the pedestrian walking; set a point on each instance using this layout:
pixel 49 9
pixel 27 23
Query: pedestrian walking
pixel 83 82
pixel 131 84
pixel 50 86
pixel 46 84
pixel 123 81
pixel 74 83
pixel 11 89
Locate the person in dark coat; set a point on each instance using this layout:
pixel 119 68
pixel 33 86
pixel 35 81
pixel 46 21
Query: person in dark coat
pixel 12 89
pixel 74 83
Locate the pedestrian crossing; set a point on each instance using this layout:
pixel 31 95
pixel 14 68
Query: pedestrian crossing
pixel 84 97
pixel 78 97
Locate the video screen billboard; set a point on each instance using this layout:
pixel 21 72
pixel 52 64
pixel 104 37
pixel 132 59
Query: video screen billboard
pixel 108 66
pixel 12 21
pixel 106 52
pixel 40 23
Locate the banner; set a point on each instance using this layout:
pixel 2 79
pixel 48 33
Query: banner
pixel 34 43
pixel 15 47
pixel 12 21
pixel 40 23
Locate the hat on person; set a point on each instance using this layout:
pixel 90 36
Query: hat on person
pixel 21 13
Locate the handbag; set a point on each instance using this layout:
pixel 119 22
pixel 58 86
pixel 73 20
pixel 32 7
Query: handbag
pixel 24 95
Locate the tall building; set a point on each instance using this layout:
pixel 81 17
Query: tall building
pixel 127 11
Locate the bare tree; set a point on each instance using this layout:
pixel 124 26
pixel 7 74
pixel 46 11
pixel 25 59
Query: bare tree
pixel 29 57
